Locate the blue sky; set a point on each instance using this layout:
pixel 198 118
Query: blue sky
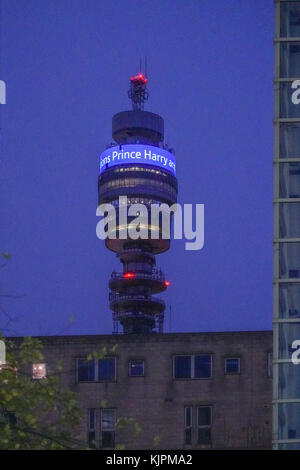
pixel 66 64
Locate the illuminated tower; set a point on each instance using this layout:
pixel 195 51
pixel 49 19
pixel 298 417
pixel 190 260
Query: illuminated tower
pixel 141 167
pixel 286 373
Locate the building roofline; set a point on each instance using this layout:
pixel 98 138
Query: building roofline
pixel 140 337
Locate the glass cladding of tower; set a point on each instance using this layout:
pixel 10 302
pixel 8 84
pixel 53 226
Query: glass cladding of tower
pixel 141 167
pixel 286 374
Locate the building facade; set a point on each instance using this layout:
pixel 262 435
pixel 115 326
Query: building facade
pixel 184 390
pixel 286 389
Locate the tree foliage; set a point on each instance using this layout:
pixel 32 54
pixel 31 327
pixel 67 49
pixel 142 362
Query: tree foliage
pixel 34 414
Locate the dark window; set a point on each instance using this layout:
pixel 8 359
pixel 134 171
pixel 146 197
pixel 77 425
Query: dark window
pixel 232 365
pixel 92 428
pixel 289 19
pixel 108 439
pixel 204 419
pixel 199 427
pixel 108 425
pixel 92 440
pixel 188 423
pixel 202 366
pixel 92 418
pixel 182 367
pixel 107 369
pixel 85 370
pixel 188 436
pixel 292 434
pixel 204 435
pixel 136 368
pixel 289 140
pixel 193 367
pixel 204 416
pixel 289 59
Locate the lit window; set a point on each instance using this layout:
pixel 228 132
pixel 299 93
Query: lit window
pixel 38 371
pixel 204 418
pixel 136 368
pixel 232 365
pixel 192 367
pixel 108 426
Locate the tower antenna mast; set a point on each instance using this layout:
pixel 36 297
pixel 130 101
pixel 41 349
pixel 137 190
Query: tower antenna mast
pixel 138 91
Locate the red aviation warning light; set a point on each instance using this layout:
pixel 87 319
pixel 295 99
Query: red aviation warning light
pixel 138 92
pixel 167 283
pixel 129 275
pixel 139 79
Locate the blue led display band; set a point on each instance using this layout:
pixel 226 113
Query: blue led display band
pixel 136 153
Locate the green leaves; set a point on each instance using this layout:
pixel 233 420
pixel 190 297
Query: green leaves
pixel 122 422
pixel 102 353
pixel 35 414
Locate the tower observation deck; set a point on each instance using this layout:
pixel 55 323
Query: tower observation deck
pixel 141 167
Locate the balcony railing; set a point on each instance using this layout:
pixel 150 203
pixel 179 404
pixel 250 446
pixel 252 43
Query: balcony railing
pixel 156 275
pixel 116 297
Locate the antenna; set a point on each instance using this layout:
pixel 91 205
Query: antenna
pixel 138 92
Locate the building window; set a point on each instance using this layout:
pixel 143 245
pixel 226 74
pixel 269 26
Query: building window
pixel 198 423
pixel 188 424
pixel 85 370
pixel 202 365
pixel 108 426
pixel 107 369
pixel 136 368
pixel 204 421
pixel 289 140
pixel 39 371
pixel 192 367
pixel 289 19
pixel 289 59
pixel 96 370
pixel 232 365
pixel 182 367
pixel 92 428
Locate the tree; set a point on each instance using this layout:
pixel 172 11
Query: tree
pixel 39 414
pixel 35 414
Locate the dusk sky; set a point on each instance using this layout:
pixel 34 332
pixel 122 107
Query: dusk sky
pixel 66 64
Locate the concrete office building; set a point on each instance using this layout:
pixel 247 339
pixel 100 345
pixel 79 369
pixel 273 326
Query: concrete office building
pixel 185 390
